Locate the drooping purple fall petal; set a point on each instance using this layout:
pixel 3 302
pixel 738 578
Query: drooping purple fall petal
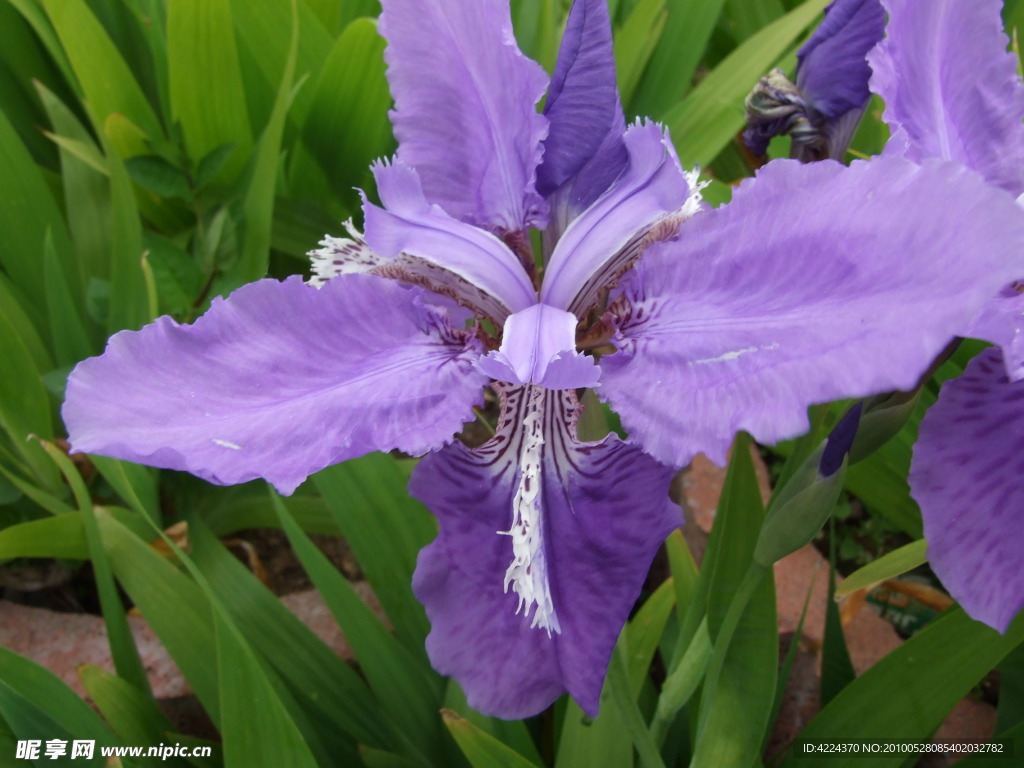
pixel 951 88
pixel 966 476
pixel 464 114
pixel 584 151
pixel 816 282
pixel 410 224
pixel 1001 322
pixel 538 346
pixel 589 252
pixel 278 381
pixel 603 511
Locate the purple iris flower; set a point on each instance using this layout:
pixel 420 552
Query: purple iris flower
pixel 952 91
pixel 816 282
pixel 822 110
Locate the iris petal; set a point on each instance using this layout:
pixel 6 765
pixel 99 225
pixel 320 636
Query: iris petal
pixel 816 282
pixel 605 510
pixel 464 110
pixel 278 381
pixel 966 476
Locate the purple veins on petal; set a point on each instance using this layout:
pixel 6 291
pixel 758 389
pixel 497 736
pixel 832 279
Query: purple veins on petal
pixel 795 291
pixel 594 512
pixel 966 477
pixel 278 381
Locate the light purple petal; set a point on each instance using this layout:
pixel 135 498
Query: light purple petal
pixel 832 70
pixel 605 511
pixel 408 223
pixel 278 381
pixel 951 87
pixel 1001 321
pixel 967 477
pixel 584 151
pixel 352 256
pixel 585 258
pixel 538 346
pixel 465 114
pixel 817 282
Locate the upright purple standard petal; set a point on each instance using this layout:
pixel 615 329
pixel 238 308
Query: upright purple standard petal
pixel 966 475
pixel 584 150
pixel 817 282
pixel 600 511
pixel 278 381
pixel 409 224
pixel 586 258
pixel 832 70
pixel 464 110
pixel 951 88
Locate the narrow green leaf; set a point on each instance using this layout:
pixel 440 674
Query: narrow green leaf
pixel 12 307
pixel 481 749
pixel 70 341
pixel 906 695
pixel 38 687
pixel 171 603
pixel 643 633
pixel 684 570
pixel 134 715
pixel 586 742
pixel 681 683
pixel 668 75
pixel 745 17
pixel 107 81
pixel 836 668
pixel 351 84
pixel 27 212
pixel 259 201
pixel 513 733
pixel 889 566
pixel 635 43
pixel 207 92
pixel 386 530
pixel 122 644
pixel 709 118
pixel 156 175
pixel 57 536
pixel 211 164
pixel 622 695
pixel 256 727
pixel 739 690
pixel 32 12
pixel 265 45
pixel 406 690
pixel 322 684
pixel 24 403
pixel 134 483
pixel 127 281
pixel 86 196
pixel 45 499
